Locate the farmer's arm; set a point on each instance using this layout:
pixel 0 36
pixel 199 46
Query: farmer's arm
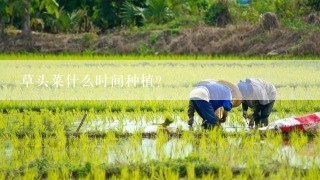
pixel 227 106
pixel 245 109
pixel 209 115
pixel 244 106
pixel 206 111
pixel 191 111
pixel 224 116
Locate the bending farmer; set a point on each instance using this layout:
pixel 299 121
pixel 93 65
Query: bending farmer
pixel 208 96
pixel 260 96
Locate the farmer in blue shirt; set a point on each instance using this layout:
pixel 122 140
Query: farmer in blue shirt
pixel 260 96
pixel 208 96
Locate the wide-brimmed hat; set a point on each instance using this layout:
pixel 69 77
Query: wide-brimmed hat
pixel 236 94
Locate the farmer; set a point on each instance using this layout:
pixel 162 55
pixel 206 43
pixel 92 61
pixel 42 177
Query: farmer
pixel 260 96
pixel 208 96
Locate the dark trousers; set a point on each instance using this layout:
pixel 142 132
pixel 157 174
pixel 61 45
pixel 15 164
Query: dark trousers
pixel 205 111
pixel 261 113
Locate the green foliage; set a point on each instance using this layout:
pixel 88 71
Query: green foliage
pixel 74 16
pixel 217 13
pixel 88 39
pixel 241 13
pixel 82 171
pixel 290 9
pixel 4 17
pixel 50 6
pixel 263 6
pixel 168 119
pixel 197 6
pixel 132 14
pixel 106 14
pixel 4 10
pixel 42 164
pixel 158 11
pixel 314 4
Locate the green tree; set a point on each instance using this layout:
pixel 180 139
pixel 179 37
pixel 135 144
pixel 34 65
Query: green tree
pixel 158 11
pixel 314 4
pixel 132 14
pixel 107 14
pixel 177 6
pixel 4 16
pixel 197 7
pixel 24 9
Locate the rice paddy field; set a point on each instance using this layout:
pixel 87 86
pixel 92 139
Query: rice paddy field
pixel 124 101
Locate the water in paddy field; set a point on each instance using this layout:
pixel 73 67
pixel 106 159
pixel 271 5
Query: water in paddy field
pixel 148 149
pixel 129 126
pixel 179 148
pixel 124 151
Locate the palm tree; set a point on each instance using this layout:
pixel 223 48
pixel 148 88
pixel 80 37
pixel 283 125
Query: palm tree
pixel 132 14
pixel 158 10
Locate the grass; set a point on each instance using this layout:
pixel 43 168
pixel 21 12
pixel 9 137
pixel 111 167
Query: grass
pixel 35 56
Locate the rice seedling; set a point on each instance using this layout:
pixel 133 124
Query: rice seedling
pixel 122 138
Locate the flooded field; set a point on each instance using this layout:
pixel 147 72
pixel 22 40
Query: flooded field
pixel 124 134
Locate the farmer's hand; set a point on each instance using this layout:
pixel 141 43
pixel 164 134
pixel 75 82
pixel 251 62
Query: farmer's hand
pixel 251 120
pixel 222 120
pixel 190 122
pixel 245 114
pixel 251 123
pixel 250 117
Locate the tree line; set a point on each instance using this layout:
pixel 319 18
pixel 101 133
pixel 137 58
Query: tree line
pixel 75 16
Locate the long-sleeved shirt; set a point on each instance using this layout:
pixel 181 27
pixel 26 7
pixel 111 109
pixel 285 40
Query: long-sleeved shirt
pixel 217 94
pixel 263 93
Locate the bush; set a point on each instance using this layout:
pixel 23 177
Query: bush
pixel 88 39
pixel 269 21
pixel 291 8
pixel 244 13
pixel 218 14
pixel 314 4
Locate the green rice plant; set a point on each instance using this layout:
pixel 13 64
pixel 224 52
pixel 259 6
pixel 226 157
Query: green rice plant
pixel 162 138
pixel 208 176
pixel 225 173
pixel 191 172
pixel 125 173
pixel 65 173
pixel 168 173
pixel 284 172
pixel 53 175
pixel 313 173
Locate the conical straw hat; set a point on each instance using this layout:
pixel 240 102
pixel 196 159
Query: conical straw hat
pixel 236 94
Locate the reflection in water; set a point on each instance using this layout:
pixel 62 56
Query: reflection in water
pixel 129 126
pixel 289 155
pixel 124 152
